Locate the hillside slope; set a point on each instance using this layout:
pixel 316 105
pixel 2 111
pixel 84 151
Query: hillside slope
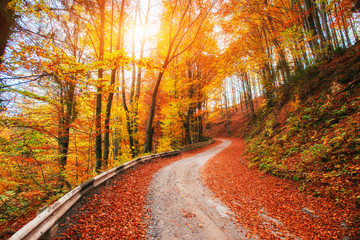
pixel 312 134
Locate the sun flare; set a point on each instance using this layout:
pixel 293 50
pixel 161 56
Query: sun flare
pixel 140 31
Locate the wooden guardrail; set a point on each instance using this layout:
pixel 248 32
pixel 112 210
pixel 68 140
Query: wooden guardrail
pixel 45 225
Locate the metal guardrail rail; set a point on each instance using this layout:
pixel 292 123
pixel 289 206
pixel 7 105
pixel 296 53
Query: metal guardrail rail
pixel 45 225
pixel 196 145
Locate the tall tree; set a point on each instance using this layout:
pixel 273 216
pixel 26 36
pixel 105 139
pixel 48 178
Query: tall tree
pixel 135 102
pixel 111 86
pixel 188 18
pixel 101 33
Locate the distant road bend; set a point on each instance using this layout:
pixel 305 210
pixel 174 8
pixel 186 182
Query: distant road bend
pixel 182 207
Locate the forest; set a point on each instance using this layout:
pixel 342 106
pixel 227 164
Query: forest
pixel 86 85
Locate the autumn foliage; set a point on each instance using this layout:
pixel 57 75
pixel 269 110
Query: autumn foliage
pixel 118 209
pixel 313 134
pixel 274 208
pixel 87 85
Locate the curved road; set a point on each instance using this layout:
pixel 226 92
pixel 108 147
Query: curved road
pixel 182 207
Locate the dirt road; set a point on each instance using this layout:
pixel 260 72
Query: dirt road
pixel 182 207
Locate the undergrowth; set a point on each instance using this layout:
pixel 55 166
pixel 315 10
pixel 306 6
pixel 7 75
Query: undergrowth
pixel 312 135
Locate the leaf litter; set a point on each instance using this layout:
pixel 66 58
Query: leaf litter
pixel 118 210
pixel 274 208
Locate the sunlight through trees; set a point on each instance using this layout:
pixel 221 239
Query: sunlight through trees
pixel 86 85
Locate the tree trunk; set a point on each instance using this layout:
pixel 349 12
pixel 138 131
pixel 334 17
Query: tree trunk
pixel 67 115
pixel 149 128
pixel 241 101
pixel 138 86
pixel 319 30
pixel 199 122
pixel 172 52
pixel 233 93
pixel 310 26
pixel 187 127
pixel 227 113
pixel 133 77
pixel 334 35
pixel 353 28
pixel 7 21
pixel 346 29
pixel 249 95
pixel 107 119
pixel 111 93
pixel 325 24
pixel 98 140
pixel 128 120
pixel 282 58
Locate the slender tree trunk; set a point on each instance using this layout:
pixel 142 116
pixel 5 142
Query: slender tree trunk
pixel 334 35
pixel 107 119
pixel 116 142
pixel 227 112
pixel 282 58
pixel 268 76
pixel 149 128
pixel 304 51
pixel 130 117
pixel 128 121
pixel 98 140
pixel 187 127
pixel 200 122
pixel 310 26
pixel 241 101
pixel 172 52
pixel 233 93
pixel 246 98
pixel 346 29
pixel 117 121
pixel 76 157
pixel 67 115
pixel 325 24
pixel 90 150
pixel 249 95
pixel 354 30
pixel 297 60
pixel 319 29
pixel 138 86
pixel 133 77
pixel 64 133
pixel 342 37
pixel 111 93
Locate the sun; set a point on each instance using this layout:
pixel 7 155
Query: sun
pixel 139 31
pixel 145 26
pixel 147 33
pixel 150 30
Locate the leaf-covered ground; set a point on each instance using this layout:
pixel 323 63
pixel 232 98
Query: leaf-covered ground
pixel 119 211
pixel 254 196
pixel 312 134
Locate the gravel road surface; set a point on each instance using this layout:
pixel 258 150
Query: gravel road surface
pixel 182 207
